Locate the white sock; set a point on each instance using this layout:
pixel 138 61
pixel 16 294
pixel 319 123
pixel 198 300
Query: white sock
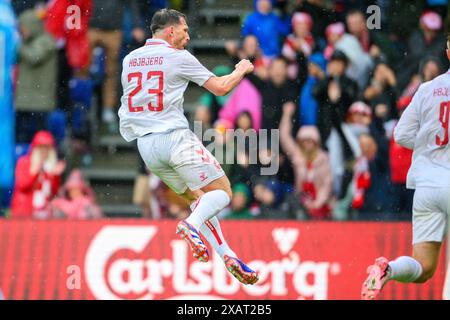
pixel 207 206
pixel 405 269
pixel 212 232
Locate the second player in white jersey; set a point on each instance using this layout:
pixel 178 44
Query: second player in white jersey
pixel 424 127
pixel 154 80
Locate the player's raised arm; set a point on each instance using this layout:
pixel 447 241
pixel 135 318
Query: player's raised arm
pixel 221 86
pixel 406 130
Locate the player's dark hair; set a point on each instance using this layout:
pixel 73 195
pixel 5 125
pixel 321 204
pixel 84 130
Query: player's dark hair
pixel 164 18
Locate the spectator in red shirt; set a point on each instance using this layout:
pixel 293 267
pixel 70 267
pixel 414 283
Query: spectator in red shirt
pixel 37 178
pixel 299 45
pixel 70 35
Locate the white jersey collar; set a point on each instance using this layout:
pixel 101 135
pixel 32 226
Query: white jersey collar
pixel 156 42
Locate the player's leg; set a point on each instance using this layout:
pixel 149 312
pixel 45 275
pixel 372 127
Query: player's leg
pixel 427 254
pixel 416 269
pixel 186 231
pixel 204 207
pixel 429 221
pixel 431 208
pixel 191 196
pixel 216 196
pixel 209 202
pixel 235 266
pixel 211 229
pixel 156 151
pixel 201 171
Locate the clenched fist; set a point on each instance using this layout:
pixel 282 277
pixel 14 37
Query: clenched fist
pixel 244 66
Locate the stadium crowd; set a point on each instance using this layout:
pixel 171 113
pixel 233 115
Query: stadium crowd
pixel 335 87
pixel 332 83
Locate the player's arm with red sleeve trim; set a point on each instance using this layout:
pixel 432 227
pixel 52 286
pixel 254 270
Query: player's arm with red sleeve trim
pixel 191 69
pixel 221 86
pixel 407 127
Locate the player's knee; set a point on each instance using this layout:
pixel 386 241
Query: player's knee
pixel 226 187
pixel 229 192
pixel 222 184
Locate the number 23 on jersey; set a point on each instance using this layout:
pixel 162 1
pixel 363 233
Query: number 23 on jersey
pixel 157 91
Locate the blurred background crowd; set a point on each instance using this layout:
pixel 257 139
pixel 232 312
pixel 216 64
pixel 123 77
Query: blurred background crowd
pixel 331 76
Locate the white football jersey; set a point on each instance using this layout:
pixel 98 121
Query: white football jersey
pixel 424 127
pixel 154 79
